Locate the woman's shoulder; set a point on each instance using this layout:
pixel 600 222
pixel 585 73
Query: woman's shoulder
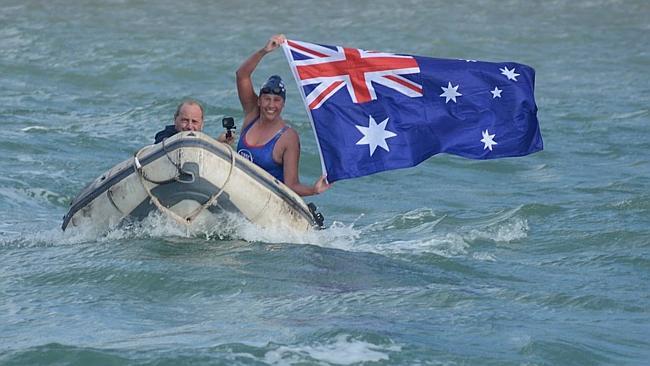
pixel 287 129
pixel 289 136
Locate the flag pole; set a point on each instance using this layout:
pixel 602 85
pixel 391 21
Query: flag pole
pixel 294 71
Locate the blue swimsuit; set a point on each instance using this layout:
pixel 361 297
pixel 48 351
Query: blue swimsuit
pixel 262 155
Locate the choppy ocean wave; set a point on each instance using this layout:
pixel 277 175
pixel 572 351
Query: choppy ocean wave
pixel 541 260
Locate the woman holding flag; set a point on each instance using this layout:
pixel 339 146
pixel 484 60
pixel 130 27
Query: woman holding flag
pixel 266 139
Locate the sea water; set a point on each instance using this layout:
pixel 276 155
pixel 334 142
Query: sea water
pixel 538 260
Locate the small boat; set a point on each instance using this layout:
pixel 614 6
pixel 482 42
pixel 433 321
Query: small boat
pixel 187 176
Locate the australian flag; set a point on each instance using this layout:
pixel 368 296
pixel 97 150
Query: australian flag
pixel 375 111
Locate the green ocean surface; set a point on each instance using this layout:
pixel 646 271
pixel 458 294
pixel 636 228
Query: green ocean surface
pixel 539 260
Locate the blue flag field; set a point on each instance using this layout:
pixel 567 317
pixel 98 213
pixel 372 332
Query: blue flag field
pixel 375 111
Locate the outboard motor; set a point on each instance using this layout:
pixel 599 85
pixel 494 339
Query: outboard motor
pixel 318 217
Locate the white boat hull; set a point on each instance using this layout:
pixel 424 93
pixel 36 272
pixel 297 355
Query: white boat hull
pixel 180 177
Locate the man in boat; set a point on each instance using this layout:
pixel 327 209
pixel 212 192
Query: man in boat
pixel 266 139
pixel 188 117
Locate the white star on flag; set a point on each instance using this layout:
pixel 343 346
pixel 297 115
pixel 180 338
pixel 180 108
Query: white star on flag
pixel 510 74
pixel 450 92
pixel 496 93
pixel 375 135
pixel 487 140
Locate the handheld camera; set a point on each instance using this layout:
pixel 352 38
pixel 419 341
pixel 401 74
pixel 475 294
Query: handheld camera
pixel 229 124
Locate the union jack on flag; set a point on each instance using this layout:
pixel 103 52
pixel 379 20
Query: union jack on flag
pixel 376 111
pixel 332 68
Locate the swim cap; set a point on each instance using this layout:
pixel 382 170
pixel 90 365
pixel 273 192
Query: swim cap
pixel 274 85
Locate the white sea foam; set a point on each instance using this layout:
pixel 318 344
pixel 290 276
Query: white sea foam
pixel 343 350
pixel 445 245
pixel 483 256
pixel 221 227
pixel 340 236
pixel 445 241
pixel 337 235
pixel 504 232
pixel 35 128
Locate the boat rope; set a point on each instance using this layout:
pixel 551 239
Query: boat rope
pixel 189 218
pixel 179 171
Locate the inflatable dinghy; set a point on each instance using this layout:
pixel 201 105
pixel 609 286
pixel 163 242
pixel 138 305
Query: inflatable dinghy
pixel 187 176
